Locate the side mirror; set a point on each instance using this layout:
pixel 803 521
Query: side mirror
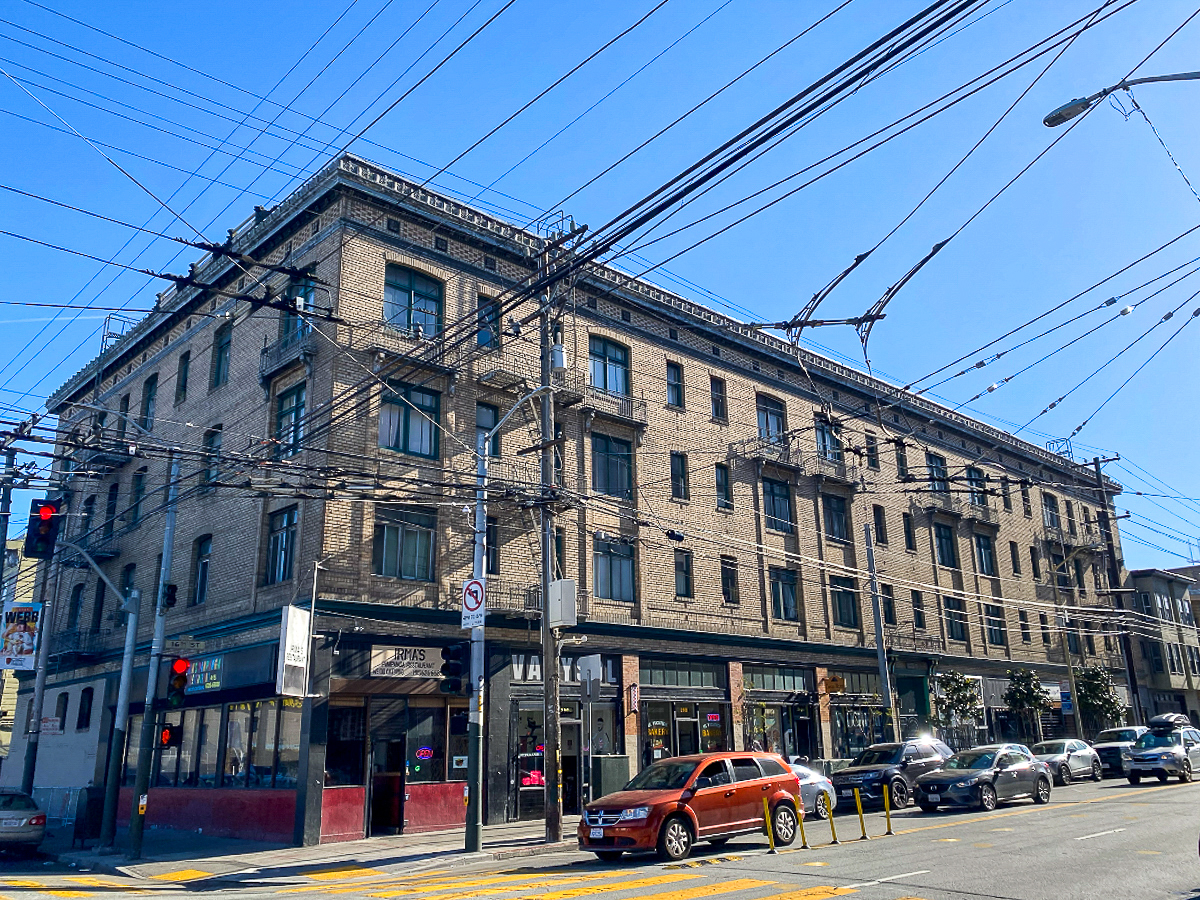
pixel 904 763
pixel 702 782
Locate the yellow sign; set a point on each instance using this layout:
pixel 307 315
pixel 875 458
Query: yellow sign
pixel 835 684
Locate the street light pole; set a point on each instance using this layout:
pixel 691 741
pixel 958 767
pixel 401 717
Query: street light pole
pixel 880 649
pixel 1080 105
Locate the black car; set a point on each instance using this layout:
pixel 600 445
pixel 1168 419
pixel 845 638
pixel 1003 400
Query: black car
pixel 982 776
pixel 897 765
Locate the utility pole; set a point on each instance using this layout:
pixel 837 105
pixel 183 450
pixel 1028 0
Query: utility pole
pixel 1113 571
pixel 474 834
pixel 10 472
pixel 551 672
pixel 880 651
pixel 116 746
pixel 33 728
pixel 1066 645
pixel 141 784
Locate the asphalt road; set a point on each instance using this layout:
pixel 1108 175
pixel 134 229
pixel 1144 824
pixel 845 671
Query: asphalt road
pixel 1094 841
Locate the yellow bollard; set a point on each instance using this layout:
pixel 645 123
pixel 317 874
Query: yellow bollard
pixel 767 825
pixel 861 821
pixel 803 836
pixel 832 829
pixel 887 810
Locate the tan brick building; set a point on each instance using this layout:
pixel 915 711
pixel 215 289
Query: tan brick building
pixel 714 482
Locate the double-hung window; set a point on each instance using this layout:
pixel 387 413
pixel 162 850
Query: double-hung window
pixel 729 579
pixel 901 460
pixel 408 420
pixel 201 561
pixel 720 406
pixel 888 598
pixel 411 301
pixel 772 418
pixel 872 451
pixel 486 417
pixel 612 466
pixel 683 573
pixel 724 487
pixel 783 594
pixel 976 486
pixel 221 350
pixel 1050 517
pixel 996 627
pixel 181 376
pixel 488 323
pixel 675 385
pixel 777 505
pixel 947 548
pixel 149 401
pixel 910 534
pixel 289 420
pixel 836 525
pixel 985 554
pixel 829 445
pixel 137 492
pixel 612 566
pixel 845 601
pixel 881 535
pixel 918 608
pixel 608 366
pixel 679 476
pixel 956 618
pixel 212 455
pixel 281 545
pixel 404 542
pixel 938 476
pixel 294 323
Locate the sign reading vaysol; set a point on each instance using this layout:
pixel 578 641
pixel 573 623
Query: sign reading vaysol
pixel 406 662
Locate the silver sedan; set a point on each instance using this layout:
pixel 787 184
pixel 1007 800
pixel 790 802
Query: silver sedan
pixel 1069 759
pixel 22 824
pixel 816 792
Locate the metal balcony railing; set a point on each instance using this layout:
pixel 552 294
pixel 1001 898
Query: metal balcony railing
pixel 107 455
pixel 629 408
pixel 940 501
pixel 836 469
pixel 296 346
pixel 981 512
pixel 781 449
pixel 98 546
pixel 917 641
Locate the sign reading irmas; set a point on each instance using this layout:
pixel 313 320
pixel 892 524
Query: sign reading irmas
pixel 406 662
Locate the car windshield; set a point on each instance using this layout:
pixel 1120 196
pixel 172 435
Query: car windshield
pixel 1150 741
pixel 884 755
pixel 972 759
pixel 667 775
pixel 1049 748
pixel 1116 734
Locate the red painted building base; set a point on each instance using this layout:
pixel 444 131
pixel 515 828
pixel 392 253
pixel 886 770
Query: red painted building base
pixel 252 815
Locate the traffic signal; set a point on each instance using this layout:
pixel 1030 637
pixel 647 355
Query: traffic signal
pixel 170 596
pixel 177 686
pixel 170 736
pixel 456 667
pixel 42 532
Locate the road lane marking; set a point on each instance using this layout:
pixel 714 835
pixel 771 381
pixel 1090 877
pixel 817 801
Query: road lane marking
pixel 708 890
pixel 340 873
pixel 819 892
pixel 1150 852
pixel 888 878
pixel 182 875
pixel 945 840
pixel 983 846
pixel 816 863
pixel 109 885
pixel 489 885
pixel 1087 837
pixel 393 882
pixel 571 893
pixel 1004 829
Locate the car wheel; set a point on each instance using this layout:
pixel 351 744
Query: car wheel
pixel 609 855
pixel 783 824
pixel 899 791
pixel 719 842
pixel 674 839
pixel 1185 773
pixel 1163 777
pixel 822 805
pixel 1041 793
pixel 1097 773
pixel 927 807
pixel 987 797
pixel 1135 778
pixel 1064 774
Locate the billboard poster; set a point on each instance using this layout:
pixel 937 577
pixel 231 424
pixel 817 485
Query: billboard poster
pixel 18 641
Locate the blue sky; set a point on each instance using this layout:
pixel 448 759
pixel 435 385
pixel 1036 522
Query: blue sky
pixel 1105 195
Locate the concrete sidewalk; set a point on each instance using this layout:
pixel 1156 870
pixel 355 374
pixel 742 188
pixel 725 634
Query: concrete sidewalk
pixel 183 857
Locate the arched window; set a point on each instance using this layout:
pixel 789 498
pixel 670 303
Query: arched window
pixel 76 604
pixel 412 301
pixel 60 709
pixel 83 719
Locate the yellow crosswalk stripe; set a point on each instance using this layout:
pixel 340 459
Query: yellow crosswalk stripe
pixel 182 875
pixel 630 885
pixel 58 893
pixel 488 892
pixel 358 886
pixel 493 883
pixel 339 873
pixel 819 892
pixel 17 882
pixel 109 885
pixel 708 890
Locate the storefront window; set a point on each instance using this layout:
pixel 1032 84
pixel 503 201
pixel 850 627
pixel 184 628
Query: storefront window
pixel 783 728
pixel 346 747
pixel 854 728
pixel 207 747
pixel 262 749
pixel 682 673
pixel 187 753
pixel 426 744
pixel 777 678
pixel 657 743
pixel 605 738
pixel 237 745
pixel 287 770
pixel 133 740
pixel 168 757
pixel 713 723
pixel 531 750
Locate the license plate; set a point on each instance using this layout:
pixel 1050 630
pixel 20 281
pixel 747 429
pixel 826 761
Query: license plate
pixel 596 833
pixel 13 823
pixel 847 792
pixel 934 798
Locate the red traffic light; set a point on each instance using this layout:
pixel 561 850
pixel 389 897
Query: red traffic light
pixel 180 666
pixel 47 511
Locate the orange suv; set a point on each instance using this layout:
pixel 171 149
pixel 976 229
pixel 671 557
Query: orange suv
pixel 707 797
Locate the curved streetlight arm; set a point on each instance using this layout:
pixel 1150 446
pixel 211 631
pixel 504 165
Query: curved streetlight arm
pixel 1069 111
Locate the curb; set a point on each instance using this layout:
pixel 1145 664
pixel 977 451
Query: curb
pixel 109 865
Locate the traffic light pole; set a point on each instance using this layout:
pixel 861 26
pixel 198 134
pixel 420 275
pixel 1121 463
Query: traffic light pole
pixel 141 784
pixel 116 746
pixel 33 729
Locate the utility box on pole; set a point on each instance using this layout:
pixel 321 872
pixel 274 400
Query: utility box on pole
pixel 561 605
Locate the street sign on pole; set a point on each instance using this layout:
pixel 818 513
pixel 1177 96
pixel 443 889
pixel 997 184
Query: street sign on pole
pixel 184 647
pixel 474 606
